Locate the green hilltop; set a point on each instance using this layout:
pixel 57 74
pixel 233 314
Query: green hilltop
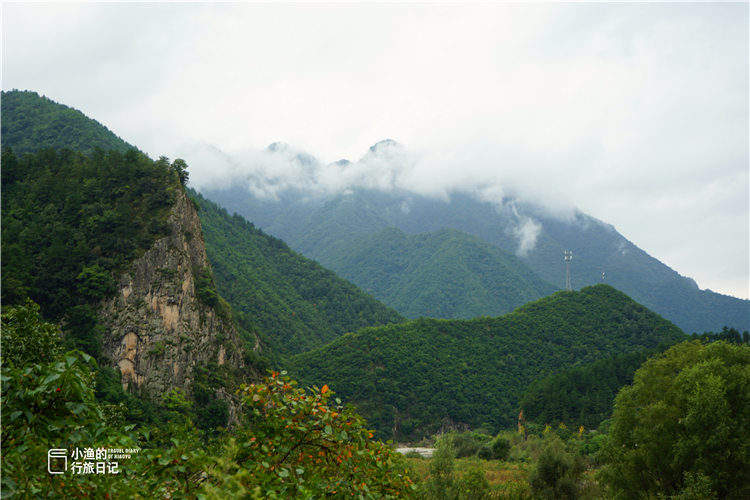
pixel 31 122
pixel 413 379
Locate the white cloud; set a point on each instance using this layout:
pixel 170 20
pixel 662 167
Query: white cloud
pixel 637 113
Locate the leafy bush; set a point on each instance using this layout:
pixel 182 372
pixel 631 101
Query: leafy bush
pixel 485 453
pixel 500 449
pixel 691 404
pixel 297 445
pixel 557 474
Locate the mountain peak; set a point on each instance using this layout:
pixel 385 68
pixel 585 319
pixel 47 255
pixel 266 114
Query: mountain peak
pixel 384 145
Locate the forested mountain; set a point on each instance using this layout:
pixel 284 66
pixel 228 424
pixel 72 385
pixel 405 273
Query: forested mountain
pixel 323 228
pixel 444 274
pixel 71 222
pixel 31 122
pixel 112 251
pixel 411 379
pixel 275 292
pixel 295 301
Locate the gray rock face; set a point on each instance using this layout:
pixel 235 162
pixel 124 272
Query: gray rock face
pixel 157 329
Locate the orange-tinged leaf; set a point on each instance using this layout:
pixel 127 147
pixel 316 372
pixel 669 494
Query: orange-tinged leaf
pixel 324 389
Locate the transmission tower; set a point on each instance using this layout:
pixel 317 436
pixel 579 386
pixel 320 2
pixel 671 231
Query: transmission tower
pixel 568 258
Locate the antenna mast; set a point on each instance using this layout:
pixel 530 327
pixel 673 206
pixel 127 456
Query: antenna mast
pixel 568 258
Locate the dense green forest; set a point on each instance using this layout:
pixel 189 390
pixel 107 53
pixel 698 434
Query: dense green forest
pixel 447 274
pixel 296 302
pixel 582 395
pixel 31 122
pixel 408 379
pixel 321 228
pixel 71 222
pixel 585 395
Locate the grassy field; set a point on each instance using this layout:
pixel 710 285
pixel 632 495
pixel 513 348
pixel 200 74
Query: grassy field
pixel 502 476
pixel 508 480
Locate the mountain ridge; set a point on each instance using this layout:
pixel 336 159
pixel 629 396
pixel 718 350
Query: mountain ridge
pixel 424 373
pixel 322 229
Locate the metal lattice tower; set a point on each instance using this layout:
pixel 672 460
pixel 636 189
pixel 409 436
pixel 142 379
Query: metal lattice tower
pixel 568 258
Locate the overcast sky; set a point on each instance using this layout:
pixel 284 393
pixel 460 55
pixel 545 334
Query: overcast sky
pixel 635 113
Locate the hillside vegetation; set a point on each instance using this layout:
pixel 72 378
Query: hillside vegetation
pixel 32 122
pixel 70 222
pixel 584 395
pixel 412 379
pixel 296 302
pixel 446 274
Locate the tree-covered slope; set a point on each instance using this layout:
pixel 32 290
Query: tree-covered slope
pixel 296 302
pixel 71 222
pixel 445 274
pixel 584 395
pixel 31 122
pixel 413 378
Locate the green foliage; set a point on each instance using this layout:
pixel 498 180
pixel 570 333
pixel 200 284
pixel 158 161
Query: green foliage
pixel 205 288
pixel 25 339
pixel 176 401
pixel 291 443
pixel 158 349
pixel 47 402
pixel 277 292
pixel 81 331
pixel 32 122
pixel 583 395
pixel 321 228
pixel 215 415
pixel 557 474
pixel 697 487
pixel 500 449
pixel 440 484
pixel 473 372
pixel 180 168
pixel 95 282
pixel 473 486
pixel 299 445
pixel 726 334
pixel 688 411
pixel 72 223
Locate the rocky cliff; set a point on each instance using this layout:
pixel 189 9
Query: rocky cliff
pixel 166 318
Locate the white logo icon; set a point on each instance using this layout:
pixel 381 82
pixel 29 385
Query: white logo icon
pixel 56 454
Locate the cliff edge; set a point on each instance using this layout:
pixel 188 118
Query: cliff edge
pixel 167 317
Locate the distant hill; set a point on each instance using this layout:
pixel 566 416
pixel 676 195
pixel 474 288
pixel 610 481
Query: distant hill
pixel 296 302
pixel 444 274
pixel 410 380
pixel 31 122
pixel 323 228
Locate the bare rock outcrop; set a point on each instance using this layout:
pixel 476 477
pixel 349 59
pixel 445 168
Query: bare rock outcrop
pixel 156 327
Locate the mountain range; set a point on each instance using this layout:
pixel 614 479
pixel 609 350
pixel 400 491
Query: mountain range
pixel 337 228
